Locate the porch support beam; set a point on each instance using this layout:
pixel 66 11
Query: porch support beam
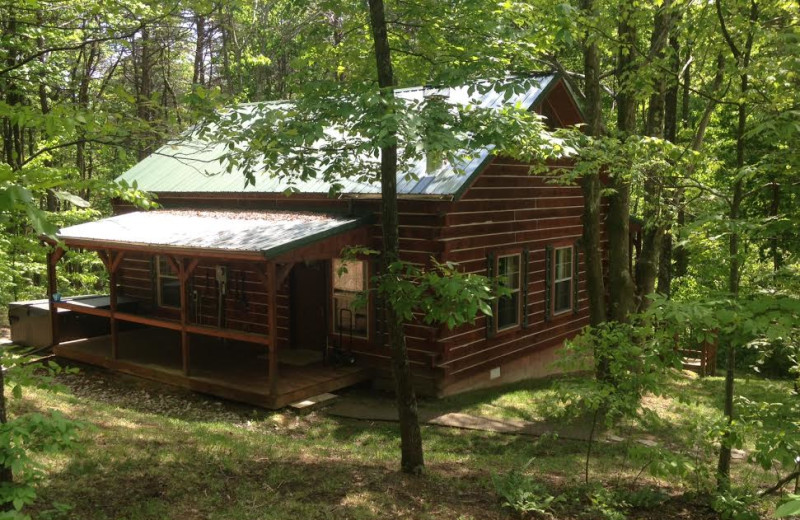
pixel 113 261
pixel 181 267
pixel 52 287
pixel 283 272
pixel 272 312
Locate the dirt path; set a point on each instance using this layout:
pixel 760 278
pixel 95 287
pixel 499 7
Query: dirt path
pixel 371 409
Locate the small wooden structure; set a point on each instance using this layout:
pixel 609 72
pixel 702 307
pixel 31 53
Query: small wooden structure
pixel 226 264
pixel 698 350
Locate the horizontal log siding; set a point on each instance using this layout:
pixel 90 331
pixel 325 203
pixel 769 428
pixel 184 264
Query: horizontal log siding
pixel 420 226
pixel 508 209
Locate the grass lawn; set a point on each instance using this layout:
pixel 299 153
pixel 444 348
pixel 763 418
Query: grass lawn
pixel 153 452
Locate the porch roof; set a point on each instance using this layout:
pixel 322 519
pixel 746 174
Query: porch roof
pixel 258 233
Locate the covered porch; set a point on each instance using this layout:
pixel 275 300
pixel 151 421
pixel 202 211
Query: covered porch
pixel 233 262
pixel 241 374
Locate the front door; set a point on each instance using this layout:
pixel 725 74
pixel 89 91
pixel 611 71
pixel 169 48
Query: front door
pixel 309 298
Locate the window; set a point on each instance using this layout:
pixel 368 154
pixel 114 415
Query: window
pixel 508 306
pixel 562 279
pixel 168 284
pixel 349 318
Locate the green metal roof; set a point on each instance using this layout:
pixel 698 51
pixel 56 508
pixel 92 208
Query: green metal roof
pixel 267 232
pixel 192 166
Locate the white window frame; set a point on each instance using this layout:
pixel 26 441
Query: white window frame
pixel 570 278
pixel 335 292
pixel 514 290
pixel 159 277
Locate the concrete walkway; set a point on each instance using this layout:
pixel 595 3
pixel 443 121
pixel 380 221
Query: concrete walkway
pixel 371 409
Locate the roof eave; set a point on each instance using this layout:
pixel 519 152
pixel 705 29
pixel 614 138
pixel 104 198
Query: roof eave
pixel 97 245
pixel 400 196
pixel 307 240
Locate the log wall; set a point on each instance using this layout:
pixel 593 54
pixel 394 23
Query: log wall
pixel 506 210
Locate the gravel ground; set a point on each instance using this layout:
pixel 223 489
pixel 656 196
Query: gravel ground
pixel 123 391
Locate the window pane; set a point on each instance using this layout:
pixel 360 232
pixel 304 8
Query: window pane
pixel 562 298
pixel 352 280
pixel 508 311
pixel 347 317
pixel 165 268
pixel 170 292
pixel 563 263
pixel 508 268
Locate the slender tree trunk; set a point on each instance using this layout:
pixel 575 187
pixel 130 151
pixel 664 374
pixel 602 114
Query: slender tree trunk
pixel 743 61
pixel 199 75
pixel 591 187
pixel 13 145
pixel 647 263
pixel 144 92
pixel 51 202
pixel 681 254
pixel 225 51
pixel 774 209
pixel 87 71
pixel 12 97
pixel 671 135
pixel 412 460
pixel 621 285
pixel 6 475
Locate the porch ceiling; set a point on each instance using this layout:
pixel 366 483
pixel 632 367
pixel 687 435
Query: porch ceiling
pixel 258 233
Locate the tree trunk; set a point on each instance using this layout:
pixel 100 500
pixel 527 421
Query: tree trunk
pixel 671 135
pixel 6 475
pixel 199 75
pixel 774 209
pixel 743 61
pixel 13 146
pixel 621 293
pixel 412 460
pixel 591 187
pixel 681 254
pixel 87 71
pixel 647 263
pixel 144 89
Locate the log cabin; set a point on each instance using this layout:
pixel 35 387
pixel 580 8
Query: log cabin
pixel 235 290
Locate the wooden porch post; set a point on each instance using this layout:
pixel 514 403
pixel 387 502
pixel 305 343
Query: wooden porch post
pixel 272 310
pixel 112 262
pixel 112 296
pixel 52 287
pixel 184 315
pixel 184 272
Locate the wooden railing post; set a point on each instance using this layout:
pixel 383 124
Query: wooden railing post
pixel 272 310
pixel 113 268
pixel 112 262
pixel 52 287
pixel 185 270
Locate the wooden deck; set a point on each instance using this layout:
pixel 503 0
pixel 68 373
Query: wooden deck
pixel 228 369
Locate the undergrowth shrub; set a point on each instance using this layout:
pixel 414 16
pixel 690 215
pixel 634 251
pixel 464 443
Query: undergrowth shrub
pixel 522 493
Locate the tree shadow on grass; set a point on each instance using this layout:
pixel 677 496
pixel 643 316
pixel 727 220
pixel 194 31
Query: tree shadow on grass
pixel 166 474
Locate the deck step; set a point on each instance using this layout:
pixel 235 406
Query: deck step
pixel 314 403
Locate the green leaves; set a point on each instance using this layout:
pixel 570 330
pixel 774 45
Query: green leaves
pixel 789 508
pixel 441 294
pixel 24 436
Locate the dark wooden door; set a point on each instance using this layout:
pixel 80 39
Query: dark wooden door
pixel 308 304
